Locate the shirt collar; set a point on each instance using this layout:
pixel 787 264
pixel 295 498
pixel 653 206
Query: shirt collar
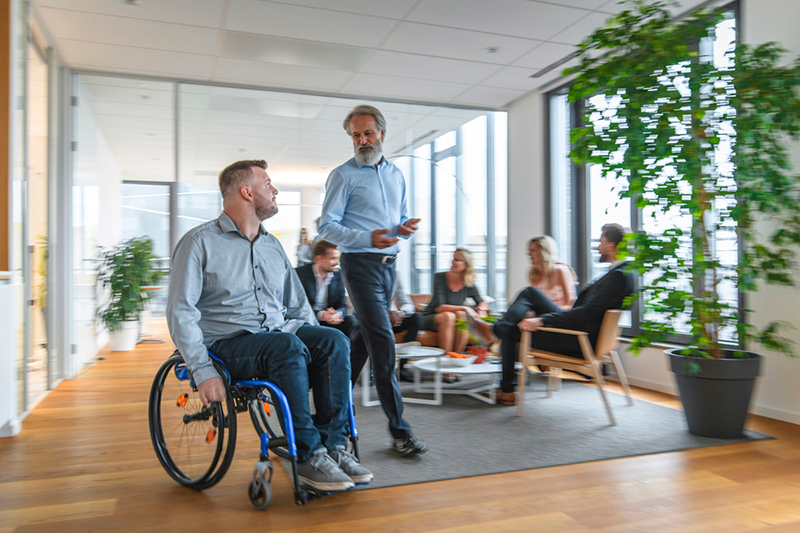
pixel 615 264
pixel 381 163
pixel 227 225
pixel 318 275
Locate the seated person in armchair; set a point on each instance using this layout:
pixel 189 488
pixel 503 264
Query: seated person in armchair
pixel 234 292
pixel 586 314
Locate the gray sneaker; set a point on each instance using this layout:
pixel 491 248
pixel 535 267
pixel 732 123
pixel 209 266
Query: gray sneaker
pixel 322 473
pixel 350 465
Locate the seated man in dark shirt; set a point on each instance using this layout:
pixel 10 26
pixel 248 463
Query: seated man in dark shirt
pixel 586 314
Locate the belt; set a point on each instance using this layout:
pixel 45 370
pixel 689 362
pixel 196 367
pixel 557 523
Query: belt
pixel 383 259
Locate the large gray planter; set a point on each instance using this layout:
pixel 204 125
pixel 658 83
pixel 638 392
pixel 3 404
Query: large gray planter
pixel 715 399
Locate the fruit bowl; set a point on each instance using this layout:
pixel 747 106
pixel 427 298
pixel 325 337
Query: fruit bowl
pixel 464 360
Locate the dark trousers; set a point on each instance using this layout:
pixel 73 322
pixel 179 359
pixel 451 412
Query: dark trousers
pixel 530 299
pixel 314 357
pixel 369 284
pixel 411 325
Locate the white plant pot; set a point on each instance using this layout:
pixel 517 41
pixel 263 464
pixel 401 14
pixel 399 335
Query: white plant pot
pixel 124 339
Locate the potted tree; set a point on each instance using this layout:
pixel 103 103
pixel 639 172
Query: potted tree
pixel 123 270
pixel 699 137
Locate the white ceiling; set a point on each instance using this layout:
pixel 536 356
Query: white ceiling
pixel 431 51
pixel 433 54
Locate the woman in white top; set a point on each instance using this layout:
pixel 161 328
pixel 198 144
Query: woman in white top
pixel 555 280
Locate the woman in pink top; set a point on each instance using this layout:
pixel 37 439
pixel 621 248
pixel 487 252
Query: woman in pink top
pixel 555 280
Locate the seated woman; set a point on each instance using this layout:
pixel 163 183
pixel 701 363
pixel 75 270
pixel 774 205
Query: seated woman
pixel 555 280
pixel 450 292
pixel 305 252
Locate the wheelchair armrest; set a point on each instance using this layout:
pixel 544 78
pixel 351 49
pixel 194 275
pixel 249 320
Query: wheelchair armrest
pixel 564 331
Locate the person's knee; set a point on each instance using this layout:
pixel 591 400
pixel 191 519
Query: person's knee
pixel 447 319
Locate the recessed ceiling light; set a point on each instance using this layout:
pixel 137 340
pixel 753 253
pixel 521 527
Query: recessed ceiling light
pixel 492 49
pixel 133 2
pixel 142 85
pixel 143 96
pixel 150 134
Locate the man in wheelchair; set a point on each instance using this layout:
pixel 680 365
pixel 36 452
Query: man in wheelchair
pixel 233 291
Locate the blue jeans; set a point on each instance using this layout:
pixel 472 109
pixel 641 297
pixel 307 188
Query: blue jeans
pixel 315 357
pixel 369 284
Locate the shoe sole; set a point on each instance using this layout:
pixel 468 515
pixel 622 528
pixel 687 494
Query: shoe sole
pixel 366 478
pixel 327 487
pixel 411 453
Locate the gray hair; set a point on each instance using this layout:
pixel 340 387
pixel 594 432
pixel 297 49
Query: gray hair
pixel 362 110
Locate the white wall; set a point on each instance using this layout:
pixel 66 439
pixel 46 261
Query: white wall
pixel 777 394
pixel 526 183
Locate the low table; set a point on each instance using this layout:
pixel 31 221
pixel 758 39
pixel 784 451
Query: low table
pixel 402 351
pixel 439 367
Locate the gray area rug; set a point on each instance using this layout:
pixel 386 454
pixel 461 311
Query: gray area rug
pixel 467 437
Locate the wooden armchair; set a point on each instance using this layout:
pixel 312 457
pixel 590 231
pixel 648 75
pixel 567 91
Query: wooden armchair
pixel 604 353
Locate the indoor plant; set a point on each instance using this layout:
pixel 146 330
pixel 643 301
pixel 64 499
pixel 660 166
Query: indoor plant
pixel 699 137
pixel 123 270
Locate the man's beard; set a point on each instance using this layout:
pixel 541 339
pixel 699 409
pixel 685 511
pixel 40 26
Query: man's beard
pixel 264 209
pixel 370 157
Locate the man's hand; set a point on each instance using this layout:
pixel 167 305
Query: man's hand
pixel 397 317
pixel 409 227
pixel 332 316
pixel 379 241
pixel 212 390
pixel 530 324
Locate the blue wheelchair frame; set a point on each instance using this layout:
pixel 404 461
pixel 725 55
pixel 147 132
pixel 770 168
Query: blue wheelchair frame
pixel 248 395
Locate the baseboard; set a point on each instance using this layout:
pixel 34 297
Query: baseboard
pixel 11 428
pixel 653 385
pixel 778 414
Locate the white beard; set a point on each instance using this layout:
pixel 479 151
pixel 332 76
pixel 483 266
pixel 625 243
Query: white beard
pixel 370 157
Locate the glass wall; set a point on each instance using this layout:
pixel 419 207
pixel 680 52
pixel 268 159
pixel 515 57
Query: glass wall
pixel 150 152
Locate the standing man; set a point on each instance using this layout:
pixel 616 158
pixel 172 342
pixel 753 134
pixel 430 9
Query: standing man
pixel 364 213
pixel 234 292
pixel 324 288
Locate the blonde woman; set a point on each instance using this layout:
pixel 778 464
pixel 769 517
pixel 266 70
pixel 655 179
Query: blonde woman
pixel 450 292
pixel 305 255
pixel 555 280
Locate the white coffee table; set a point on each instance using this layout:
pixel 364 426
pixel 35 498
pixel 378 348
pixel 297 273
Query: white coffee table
pixel 407 350
pixel 439 368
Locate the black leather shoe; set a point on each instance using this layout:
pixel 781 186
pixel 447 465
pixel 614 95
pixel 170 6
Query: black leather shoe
pixel 409 446
pixel 406 375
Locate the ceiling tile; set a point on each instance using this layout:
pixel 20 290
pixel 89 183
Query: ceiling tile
pixel 513 78
pixel 395 9
pixel 64 24
pixel 399 87
pixel 429 68
pixel 519 18
pixel 206 13
pixel 456 44
pixel 489 97
pixel 240 45
pixel 281 20
pixel 134 60
pixel 581 29
pixel 545 55
pixel 271 74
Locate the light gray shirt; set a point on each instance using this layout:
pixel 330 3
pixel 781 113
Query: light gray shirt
pixel 401 299
pixel 221 284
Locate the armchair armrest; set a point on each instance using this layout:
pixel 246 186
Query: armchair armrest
pixel 564 331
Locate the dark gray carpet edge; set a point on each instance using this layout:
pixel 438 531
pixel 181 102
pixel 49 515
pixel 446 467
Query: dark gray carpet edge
pixel 468 438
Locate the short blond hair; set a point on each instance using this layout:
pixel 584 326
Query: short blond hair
pixel 469 273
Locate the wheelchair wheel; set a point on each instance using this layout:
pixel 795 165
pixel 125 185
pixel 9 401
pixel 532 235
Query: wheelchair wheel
pixel 260 493
pixel 194 444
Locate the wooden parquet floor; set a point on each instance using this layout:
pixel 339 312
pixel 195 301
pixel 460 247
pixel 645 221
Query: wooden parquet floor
pixel 84 462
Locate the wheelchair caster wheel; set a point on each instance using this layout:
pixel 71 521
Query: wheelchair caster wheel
pixel 260 493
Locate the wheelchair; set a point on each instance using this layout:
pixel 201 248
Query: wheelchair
pixel 195 444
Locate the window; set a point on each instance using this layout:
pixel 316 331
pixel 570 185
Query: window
pixel 583 200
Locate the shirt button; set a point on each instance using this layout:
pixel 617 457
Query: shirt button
pixel 258 288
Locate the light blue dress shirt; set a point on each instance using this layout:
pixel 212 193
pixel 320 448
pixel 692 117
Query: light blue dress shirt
pixel 360 199
pixel 221 284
